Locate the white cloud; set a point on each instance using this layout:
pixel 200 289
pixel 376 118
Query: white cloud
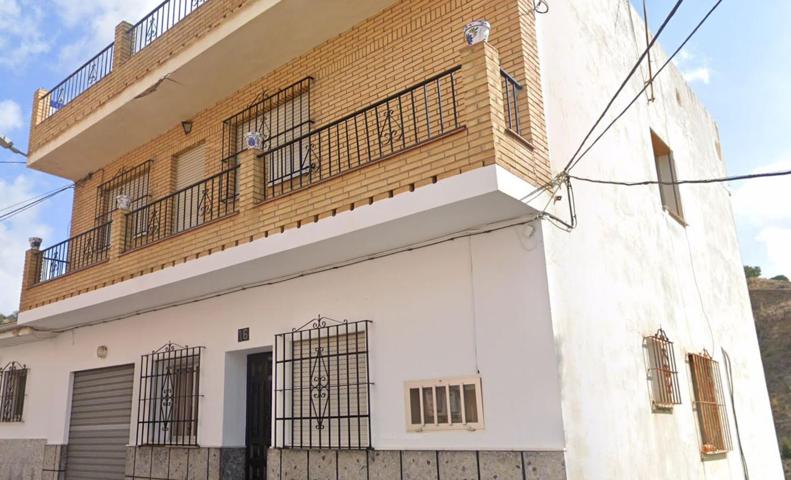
pixel 96 21
pixel 21 33
pixel 700 74
pixel 10 116
pixel 778 246
pixel 693 69
pixel 762 207
pixel 13 239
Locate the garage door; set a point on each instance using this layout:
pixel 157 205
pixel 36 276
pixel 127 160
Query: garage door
pixel 99 429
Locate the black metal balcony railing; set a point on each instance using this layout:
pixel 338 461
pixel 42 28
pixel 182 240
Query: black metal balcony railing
pixel 76 253
pixel 160 20
pixel 75 84
pixel 190 207
pixel 401 121
pixel 151 27
pixel 511 91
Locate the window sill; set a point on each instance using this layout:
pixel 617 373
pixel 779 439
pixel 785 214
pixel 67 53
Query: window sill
pixel 519 138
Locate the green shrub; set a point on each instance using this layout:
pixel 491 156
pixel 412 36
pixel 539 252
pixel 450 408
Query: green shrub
pixel 752 272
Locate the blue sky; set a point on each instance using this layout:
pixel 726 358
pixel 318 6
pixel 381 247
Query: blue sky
pixel 738 65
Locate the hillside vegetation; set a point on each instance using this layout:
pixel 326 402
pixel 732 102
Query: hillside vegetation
pixel 771 300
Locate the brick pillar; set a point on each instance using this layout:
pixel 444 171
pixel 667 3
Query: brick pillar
pixel 250 179
pixel 482 98
pixel 118 233
pixel 124 40
pixel 39 109
pixel 31 270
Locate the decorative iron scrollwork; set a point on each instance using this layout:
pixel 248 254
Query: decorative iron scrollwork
pixel 387 131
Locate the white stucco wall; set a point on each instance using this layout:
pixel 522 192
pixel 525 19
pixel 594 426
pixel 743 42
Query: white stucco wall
pixel 630 268
pixel 432 309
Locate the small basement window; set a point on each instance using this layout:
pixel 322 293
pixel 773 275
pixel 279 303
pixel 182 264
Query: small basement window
pixel 444 404
pixel 715 437
pixel 662 372
pixel 13 378
pixel 666 175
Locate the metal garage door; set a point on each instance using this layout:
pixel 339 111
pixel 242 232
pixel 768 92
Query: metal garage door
pixel 99 431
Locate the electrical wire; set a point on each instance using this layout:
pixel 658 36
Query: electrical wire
pixel 650 81
pixel 8 207
pixel 13 163
pixel 32 203
pixel 541 6
pixel 684 182
pixel 624 83
pixel 729 372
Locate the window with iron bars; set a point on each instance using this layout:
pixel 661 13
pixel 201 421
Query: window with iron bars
pixel 279 118
pixel 169 396
pixel 13 378
pixel 709 404
pixel 133 183
pixel 662 371
pixel 322 386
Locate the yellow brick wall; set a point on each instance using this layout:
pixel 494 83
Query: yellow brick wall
pixel 403 45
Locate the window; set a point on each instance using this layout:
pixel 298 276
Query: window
pixel 322 386
pixel 439 404
pixel 709 404
pixel 666 172
pixel 662 372
pixel 169 394
pixel 190 205
pixel 281 119
pixel 13 378
pixel 132 182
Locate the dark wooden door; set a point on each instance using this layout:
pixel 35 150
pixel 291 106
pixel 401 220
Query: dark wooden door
pixel 259 413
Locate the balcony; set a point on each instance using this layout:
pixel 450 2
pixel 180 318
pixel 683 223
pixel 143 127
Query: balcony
pixel 424 161
pixel 177 60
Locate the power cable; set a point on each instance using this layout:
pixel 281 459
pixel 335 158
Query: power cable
pixel 9 207
pixel 26 206
pixel 650 81
pixel 13 163
pixel 625 82
pixel 683 182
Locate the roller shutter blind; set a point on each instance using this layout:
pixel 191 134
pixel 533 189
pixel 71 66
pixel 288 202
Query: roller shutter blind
pixel 99 428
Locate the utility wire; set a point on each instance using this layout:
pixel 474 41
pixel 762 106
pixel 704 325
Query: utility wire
pixel 682 182
pixel 15 163
pixel 625 83
pixel 650 82
pixel 31 203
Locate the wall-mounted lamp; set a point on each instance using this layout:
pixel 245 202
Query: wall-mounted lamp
pixel 187 126
pixel 101 351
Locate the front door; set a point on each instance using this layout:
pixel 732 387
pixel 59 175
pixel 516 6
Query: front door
pixel 259 413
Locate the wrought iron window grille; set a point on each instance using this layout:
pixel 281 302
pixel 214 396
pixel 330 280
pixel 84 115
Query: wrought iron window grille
pixel 13 379
pixel 709 404
pixel 278 118
pixel 322 385
pixel 169 394
pixel 512 90
pixel 133 182
pixel 662 371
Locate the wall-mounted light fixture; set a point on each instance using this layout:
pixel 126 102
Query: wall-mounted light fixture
pixel 101 351
pixel 187 126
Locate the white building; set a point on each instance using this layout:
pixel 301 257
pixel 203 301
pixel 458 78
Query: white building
pixel 435 328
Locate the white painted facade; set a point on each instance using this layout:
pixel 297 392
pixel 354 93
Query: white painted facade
pixel 462 307
pixel 459 279
pixel 630 268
